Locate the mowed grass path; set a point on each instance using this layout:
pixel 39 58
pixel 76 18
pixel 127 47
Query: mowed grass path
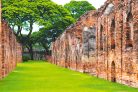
pixel 45 77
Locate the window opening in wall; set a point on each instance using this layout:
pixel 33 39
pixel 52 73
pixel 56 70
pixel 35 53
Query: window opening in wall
pixel 92 39
pixel 113 72
pixel 89 41
pixel 113 34
pixel 109 9
pixel 101 37
pixel 128 30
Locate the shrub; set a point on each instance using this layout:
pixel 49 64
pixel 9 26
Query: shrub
pixel 26 58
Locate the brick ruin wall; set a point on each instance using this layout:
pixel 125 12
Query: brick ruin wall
pixel 10 49
pixel 103 43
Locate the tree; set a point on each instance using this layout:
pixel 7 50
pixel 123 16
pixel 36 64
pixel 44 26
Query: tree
pixel 77 8
pixel 23 14
pixel 53 19
pixel 20 14
pixel 47 34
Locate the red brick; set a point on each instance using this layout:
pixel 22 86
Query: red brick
pixel 10 49
pixel 98 43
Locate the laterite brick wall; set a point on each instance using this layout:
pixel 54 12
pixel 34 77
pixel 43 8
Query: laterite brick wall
pixel 10 49
pixel 103 43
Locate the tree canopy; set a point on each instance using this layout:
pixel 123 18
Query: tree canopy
pixel 23 14
pixel 52 19
pixel 77 8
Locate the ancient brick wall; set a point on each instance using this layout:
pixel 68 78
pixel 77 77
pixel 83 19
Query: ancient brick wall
pixel 103 43
pixel 0 45
pixel 10 49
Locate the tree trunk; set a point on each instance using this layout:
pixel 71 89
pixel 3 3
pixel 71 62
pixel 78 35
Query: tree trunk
pixel 30 49
pixel 31 28
pixel 31 52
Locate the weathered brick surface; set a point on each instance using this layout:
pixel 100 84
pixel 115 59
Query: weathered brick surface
pixel 10 49
pixel 103 43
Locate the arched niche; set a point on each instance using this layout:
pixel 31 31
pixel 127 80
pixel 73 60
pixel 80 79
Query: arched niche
pixel 112 31
pixel 101 37
pixel 129 30
pixel 109 9
pixel 113 72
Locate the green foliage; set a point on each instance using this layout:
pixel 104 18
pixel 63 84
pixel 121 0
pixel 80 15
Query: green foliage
pixel 45 77
pixel 23 14
pixel 54 23
pixel 26 58
pixel 20 14
pixel 77 8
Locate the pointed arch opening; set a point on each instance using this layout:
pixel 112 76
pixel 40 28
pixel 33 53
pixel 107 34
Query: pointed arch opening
pixel 129 30
pixel 101 37
pixel 113 72
pixel 112 34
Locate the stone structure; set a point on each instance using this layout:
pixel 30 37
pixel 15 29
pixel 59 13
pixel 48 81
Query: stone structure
pixel 10 49
pixel 103 43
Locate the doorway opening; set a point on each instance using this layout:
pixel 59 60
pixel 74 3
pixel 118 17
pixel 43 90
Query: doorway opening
pixel 113 72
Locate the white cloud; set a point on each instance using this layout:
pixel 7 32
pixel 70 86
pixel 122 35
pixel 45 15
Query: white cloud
pixel 96 3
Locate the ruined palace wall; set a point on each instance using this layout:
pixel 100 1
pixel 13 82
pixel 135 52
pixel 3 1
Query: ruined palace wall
pixel 11 50
pixel 129 61
pixel 103 43
pixel 0 45
pixel 67 49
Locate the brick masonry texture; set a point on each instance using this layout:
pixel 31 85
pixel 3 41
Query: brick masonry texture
pixel 103 43
pixel 10 49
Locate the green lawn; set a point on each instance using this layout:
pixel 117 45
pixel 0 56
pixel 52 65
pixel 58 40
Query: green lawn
pixel 45 77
